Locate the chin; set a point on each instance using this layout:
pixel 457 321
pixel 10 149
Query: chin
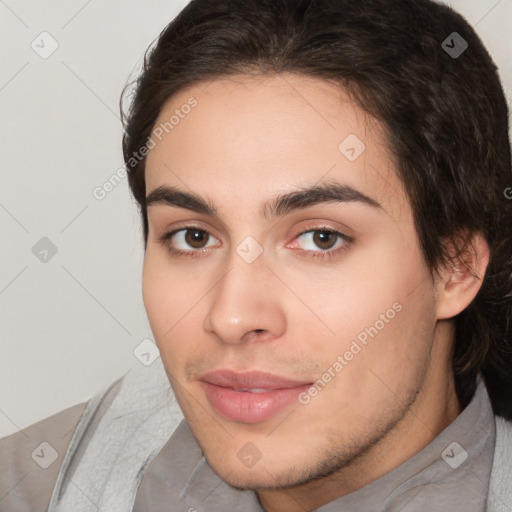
pixel 281 471
pixel 262 477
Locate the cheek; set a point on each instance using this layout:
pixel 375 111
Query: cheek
pixel 379 310
pixel 168 297
pixel 355 295
pixel 168 306
pixel 155 293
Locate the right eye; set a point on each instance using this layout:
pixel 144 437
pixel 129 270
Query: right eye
pixel 188 240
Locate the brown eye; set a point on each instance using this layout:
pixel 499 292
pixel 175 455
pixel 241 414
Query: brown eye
pixel 325 239
pixel 196 238
pixel 323 243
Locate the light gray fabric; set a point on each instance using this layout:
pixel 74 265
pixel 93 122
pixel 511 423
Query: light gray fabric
pixel 132 450
pixel 30 461
pixel 500 492
pixel 119 434
pixel 180 480
pixel 425 482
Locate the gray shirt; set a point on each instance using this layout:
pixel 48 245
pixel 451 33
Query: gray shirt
pixel 451 473
pixel 439 477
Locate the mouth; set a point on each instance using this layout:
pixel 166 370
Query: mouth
pixel 250 397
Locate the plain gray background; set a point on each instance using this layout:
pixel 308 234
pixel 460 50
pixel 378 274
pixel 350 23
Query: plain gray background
pixel 71 319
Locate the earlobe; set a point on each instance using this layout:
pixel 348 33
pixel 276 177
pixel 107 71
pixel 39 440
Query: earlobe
pixel 462 276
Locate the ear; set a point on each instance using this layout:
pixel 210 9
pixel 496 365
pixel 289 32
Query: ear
pixel 462 275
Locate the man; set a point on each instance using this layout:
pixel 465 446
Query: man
pixel 327 270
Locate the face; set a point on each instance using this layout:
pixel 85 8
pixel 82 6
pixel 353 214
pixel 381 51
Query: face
pixel 283 278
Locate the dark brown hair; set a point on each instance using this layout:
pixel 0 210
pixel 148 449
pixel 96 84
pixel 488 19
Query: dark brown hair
pixel 445 115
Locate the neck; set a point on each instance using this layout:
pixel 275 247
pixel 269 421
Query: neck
pixel 435 407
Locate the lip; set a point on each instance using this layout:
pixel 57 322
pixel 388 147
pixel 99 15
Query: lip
pixel 230 395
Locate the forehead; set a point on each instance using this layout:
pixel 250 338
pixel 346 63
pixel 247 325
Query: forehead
pixel 248 138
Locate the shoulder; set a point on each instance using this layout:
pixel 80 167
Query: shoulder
pixel 122 429
pixel 30 460
pixel 500 487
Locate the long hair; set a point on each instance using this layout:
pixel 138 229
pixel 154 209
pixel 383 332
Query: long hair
pixel 420 69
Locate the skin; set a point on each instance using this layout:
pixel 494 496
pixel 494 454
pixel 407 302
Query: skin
pixel 292 312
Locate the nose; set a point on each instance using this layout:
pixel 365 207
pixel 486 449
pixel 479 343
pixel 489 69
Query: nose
pixel 245 304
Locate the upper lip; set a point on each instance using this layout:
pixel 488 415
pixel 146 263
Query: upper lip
pixel 249 380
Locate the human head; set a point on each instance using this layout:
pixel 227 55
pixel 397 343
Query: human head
pixel 242 103
pixel 446 121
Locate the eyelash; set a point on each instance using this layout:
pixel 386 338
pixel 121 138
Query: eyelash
pixel 325 255
pixel 164 240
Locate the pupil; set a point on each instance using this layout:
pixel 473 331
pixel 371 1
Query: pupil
pixel 324 239
pixel 196 238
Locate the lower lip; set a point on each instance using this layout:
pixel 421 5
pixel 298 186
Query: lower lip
pixel 249 407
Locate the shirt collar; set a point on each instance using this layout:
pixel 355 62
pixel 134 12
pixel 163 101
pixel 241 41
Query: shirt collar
pixel 451 473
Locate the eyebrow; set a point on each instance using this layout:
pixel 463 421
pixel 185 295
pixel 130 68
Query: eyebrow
pixel 330 192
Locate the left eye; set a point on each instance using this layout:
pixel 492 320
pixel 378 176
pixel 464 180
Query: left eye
pixel 191 238
pixel 321 239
